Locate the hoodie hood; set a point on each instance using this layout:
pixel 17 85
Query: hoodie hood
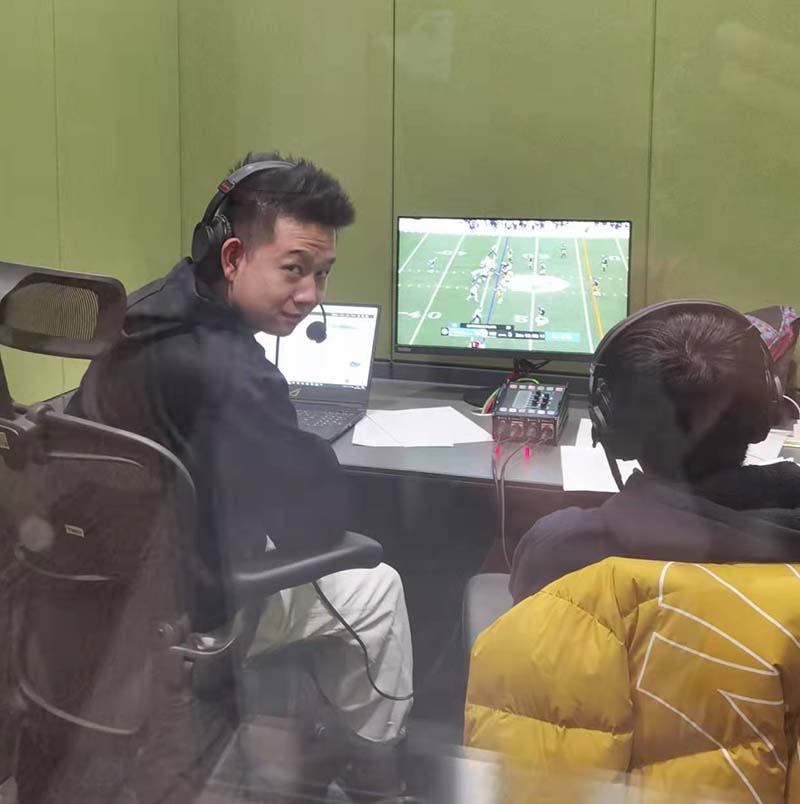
pixel 747 514
pixel 178 301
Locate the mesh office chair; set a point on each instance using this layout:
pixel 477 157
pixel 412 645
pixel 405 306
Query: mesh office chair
pixel 110 696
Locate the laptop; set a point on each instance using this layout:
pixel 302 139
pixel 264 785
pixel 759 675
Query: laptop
pixel 328 382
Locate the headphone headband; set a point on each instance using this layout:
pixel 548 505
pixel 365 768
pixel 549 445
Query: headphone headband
pixel 229 183
pixel 214 228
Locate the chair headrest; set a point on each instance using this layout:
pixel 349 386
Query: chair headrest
pixel 59 313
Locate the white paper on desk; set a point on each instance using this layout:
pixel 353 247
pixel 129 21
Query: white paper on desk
pixel 368 433
pixel 765 451
pixel 418 427
pixel 587 469
pixel 461 429
pixel 584 437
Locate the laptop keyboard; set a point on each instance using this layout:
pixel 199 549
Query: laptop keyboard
pixel 327 423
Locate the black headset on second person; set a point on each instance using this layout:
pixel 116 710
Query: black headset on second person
pixel 619 443
pixel 215 228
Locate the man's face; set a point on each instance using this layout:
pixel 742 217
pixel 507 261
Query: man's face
pixel 276 285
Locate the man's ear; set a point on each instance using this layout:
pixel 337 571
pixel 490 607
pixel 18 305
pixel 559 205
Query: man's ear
pixel 230 256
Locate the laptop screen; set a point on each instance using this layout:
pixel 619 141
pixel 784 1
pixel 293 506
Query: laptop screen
pixel 338 368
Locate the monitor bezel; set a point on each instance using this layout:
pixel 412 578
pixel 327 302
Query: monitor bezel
pixel 488 354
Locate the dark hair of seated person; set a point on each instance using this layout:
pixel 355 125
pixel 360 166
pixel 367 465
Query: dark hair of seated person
pixel 303 192
pixel 686 389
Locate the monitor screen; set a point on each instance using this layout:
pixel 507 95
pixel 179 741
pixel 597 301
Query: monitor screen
pixel 343 359
pixel 551 288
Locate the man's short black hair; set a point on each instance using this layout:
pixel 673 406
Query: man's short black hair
pixel 687 386
pixel 303 192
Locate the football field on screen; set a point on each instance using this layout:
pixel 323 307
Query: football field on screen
pixel 561 281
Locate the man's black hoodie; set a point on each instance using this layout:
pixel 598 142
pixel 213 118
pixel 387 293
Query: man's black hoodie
pixel 188 373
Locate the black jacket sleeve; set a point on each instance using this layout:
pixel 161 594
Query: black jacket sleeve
pixel 268 484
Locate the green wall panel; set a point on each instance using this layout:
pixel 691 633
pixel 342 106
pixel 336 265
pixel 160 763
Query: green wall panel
pixel 120 119
pixel 28 174
pixel 525 110
pixel 118 139
pixel 726 161
pixel 310 78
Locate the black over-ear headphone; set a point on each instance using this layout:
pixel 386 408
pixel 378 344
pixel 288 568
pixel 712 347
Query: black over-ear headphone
pixel 215 228
pixel 615 440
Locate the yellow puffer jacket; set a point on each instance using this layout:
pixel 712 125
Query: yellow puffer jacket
pixel 681 678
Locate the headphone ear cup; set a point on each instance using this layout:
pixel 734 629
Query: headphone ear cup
pixel 617 444
pixel 201 242
pixel 600 411
pixel 222 229
pixel 208 238
pixel 761 425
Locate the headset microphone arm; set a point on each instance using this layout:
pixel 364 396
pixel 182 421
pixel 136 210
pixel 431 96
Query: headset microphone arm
pixel 317 331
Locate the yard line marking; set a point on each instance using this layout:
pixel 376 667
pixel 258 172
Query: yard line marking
pixel 498 275
pixel 439 284
pixel 412 253
pixel 583 296
pixel 621 254
pixel 533 289
pixel 594 298
pixel 486 286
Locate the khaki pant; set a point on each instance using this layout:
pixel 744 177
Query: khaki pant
pixel 373 604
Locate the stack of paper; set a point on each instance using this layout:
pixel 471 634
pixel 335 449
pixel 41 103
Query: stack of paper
pixel 584 468
pixel 587 469
pixel 768 450
pixel 417 427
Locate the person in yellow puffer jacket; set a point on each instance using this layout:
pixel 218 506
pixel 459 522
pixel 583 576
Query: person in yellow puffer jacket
pixel 655 647
pixel 683 679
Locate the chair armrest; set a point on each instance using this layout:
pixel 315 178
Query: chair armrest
pixel 209 645
pixel 285 571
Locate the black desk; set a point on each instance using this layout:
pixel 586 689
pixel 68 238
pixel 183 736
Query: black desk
pixel 465 463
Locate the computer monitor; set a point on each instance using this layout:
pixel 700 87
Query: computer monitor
pixel 547 289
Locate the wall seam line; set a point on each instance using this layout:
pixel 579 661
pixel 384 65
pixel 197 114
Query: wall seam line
pixel 56 132
pixel 650 157
pixel 180 129
pixel 393 237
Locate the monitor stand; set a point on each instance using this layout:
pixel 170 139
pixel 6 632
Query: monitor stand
pixel 523 367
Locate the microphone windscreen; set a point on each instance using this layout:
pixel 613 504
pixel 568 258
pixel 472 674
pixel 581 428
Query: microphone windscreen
pixel 316 331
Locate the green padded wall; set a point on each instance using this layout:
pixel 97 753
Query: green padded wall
pixel 679 116
pixel 313 78
pixel 726 161
pixel 28 173
pixel 118 139
pixel 94 155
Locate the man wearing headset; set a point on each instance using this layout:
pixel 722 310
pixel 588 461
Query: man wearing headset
pixel 189 374
pixel 684 388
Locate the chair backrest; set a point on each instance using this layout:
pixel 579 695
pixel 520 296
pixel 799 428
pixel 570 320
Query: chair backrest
pixel 59 312
pixel 96 518
pixel 95 528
